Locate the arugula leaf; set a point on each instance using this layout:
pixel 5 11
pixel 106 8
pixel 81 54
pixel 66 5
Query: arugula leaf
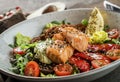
pixel 116 41
pixel 20 64
pixel 75 70
pixel 11 45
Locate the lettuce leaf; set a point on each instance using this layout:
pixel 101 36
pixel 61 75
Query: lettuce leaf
pixel 21 39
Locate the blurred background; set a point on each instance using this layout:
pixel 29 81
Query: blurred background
pixel 31 5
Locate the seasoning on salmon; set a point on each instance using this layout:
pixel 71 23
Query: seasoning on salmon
pixel 59 51
pixel 77 39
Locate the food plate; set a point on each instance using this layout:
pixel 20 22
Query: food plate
pixel 33 27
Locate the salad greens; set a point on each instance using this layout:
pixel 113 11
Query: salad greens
pixel 20 39
pixel 106 27
pixel 48 75
pixel 116 41
pixel 19 64
pixel 55 23
pixel 52 24
pixel 23 42
pixel 84 22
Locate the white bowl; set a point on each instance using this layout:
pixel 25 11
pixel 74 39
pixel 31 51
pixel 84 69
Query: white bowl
pixel 33 27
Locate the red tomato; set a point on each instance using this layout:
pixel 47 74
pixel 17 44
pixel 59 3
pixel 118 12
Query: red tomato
pixel 113 34
pixel 97 56
pixel 63 69
pixel 92 56
pixel 84 56
pixel 80 63
pixel 102 47
pixel 32 69
pixel 98 63
pixel 113 54
pixel 18 50
pixel 73 59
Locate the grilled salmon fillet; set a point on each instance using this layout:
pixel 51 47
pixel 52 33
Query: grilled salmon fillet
pixel 77 39
pixel 59 51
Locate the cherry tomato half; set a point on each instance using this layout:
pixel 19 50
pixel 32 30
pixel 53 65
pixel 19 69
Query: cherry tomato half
pixel 98 56
pixel 18 50
pixel 98 63
pixel 72 60
pixel 113 33
pixel 63 69
pixel 32 69
pixel 84 55
pixel 92 56
pixel 83 65
pixel 113 54
pixel 102 47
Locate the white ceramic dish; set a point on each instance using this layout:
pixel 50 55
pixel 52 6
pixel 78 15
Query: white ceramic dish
pixel 33 27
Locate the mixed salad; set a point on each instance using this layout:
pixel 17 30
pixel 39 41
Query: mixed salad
pixel 64 49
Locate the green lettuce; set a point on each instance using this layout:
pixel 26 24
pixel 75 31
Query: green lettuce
pixel 21 39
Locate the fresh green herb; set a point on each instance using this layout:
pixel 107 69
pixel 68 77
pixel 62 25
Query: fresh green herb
pixel 48 75
pixel 106 27
pixel 113 41
pixel 12 46
pixel 116 41
pixel 75 70
pixel 84 22
pixel 65 22
pixel 15 70
pixel 20 64
pixel 52 24
pixel 68 23
pixel 56 22
pixel 26 46
pixel 29 56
